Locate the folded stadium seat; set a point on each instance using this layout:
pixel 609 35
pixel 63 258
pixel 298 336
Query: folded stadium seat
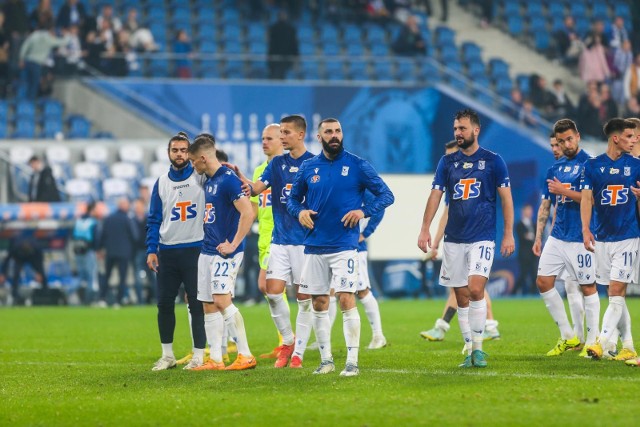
pixel 376 36
pixel 444 35
pixel 157 15
pixel 449 53
pixel 159 67
pixel 458 82
pixel 25 110
pixel 232 46
pixel 556 8
pixel 258 48
pixel 232 32
pixel 88 170
pixel 24 129
pixel 60 154
pixel 256 32
pixel 621 8
pixel 355 49
pixel 578 9
pixel 115 188
pixel 207 46
pixel 476 70
pixel 306 35
pixel 307 49
pixel 352 34
pixel 79 127
pixel 383 70
pixel 537 24
pixel 181 17
pixel 429 71
pixel 310 69
pixel 522 81
pixel 471 52
pixel 542 41
pixel 498 68
pixel 533 8
pixel 229 16
pixel 330 49
pixel 234 69
pixel 557 23
pixel 515 25
pixel 103 135
pixel 600 8
pixel 258 69
pixel 158 30
pixel 52 110
pixel 357 70
pixel 511 8
pixel 205 32
pixel 334 70
pixel 503 86
pixel 329 35
pixel 131 172
pixel 158 168
pixel 454 66
pixel 379 50
pixel 132 153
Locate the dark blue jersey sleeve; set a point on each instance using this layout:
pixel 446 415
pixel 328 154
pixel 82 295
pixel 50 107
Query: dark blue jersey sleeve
pixel 154 220
pixel 298 190
pixel 375 184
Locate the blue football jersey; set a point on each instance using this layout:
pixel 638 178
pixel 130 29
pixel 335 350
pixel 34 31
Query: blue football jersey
pixel 221 217
pixel 567 226
pixel 279 175
pixel 614 203
pixel 471 182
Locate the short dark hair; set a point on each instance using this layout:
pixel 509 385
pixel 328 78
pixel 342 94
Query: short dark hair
pixel 327 120
pixel 298 121
pixel 552 134
pixel 451 144
pixel 564 125
pixel 470 114
pixel 33 158
pixel 180 136
pixel 202 141
pixel 221 155
pixel 617 125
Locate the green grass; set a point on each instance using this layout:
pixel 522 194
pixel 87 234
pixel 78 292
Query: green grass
pixel 81 366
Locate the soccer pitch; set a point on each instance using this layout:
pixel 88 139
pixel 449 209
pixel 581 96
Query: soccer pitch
pixel 81 366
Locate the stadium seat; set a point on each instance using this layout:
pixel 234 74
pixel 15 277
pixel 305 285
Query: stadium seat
pixel 523 83
pixel 503 86
pixel 60 154
pixel 180 18
pixel 115 188
pixel 498 68
pixel 376 36
pixel 310 70
pixel 103 135
pixel 330 49
pixel 232 46
pixel 380 50
pixel 537 24
pixel 80 190
pixel 25 110
pixel 515 25
pixel 307 49
pixel 232 33
pixel 79 127
pixel 256 33
pixel 621 8
pixel 429 71
pixel 582 26
pixel 355 49
pixel 405 69
pixel 449 54
pixel 577 9
pixel 258 69
pixel 352 34
pixel 541 41
pixel 132 153
pixel 126 170
pixel 329 35
pixel 471 52
pixel 511 8
pixel 476 69
pixel 157 15
pixel 159 67
pixel 52 110
pixel 557 23
pixel 334 70
pixel 382 70
pixel 258 48
pixel 206 16
pixel 306 35
pixel 357 70
pixel 88 170
pixel 600 8
pixel 158 168
pixel 444 35
pixel 555 8
pixel 206 33
pixel 234 69
pixel 24 129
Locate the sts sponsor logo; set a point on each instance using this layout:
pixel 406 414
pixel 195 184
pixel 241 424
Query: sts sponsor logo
pixel 615 195
pixel 466 188
pixel 209 213
pixel 183 211
pixel 565 199
pixel 286 190
pixel 264 198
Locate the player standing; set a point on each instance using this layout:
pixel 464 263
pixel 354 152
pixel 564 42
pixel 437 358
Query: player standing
pixel 227 219
pixel 472 177
pixel 564 250
pixel 327 198
pixel 174 238
pixel 607 181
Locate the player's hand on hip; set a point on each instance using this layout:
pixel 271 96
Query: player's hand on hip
pixel 424 241
pixel 589 240
pixel 352 218
pixel 537 247
pixel 508 245
pixel 152 262
pixel 305 218
pixel 226 248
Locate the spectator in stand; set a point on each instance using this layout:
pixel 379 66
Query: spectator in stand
pixel 622 61
pixel 589 112
pixel 593 61
pixel 94 47
pixel 107 15
pixel 562 104
pixel 16 27
pixel 283 47
pixel 377 11
pixel 121 57
pixel 631 81
pixel 410 41
pixel 399 9
pixel 4 58
pixel 444 9
pixel 632 108
pixel 619 33
pixel 117 241
pixel 608 107
pixel 528 115
pixel 23 250
pixel 486 7
pixel 182 46
pixel 34 54
pixel 527 261
pixel 85 237
pixel 42 185
pixel 540 96
pixel 42 13
pixel 72 51
pixel 568 42
pixel 514 107
pixel 140 38
pixel 71 13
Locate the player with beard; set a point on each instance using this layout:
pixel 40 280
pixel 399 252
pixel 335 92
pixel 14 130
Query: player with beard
pixel 472 177
pixel 327 198
pixel 564 251
pixel 174 239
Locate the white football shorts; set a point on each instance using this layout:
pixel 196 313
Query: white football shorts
pixel 363 272
pixel 285 263
pixel 571 257
pixel 616 261
pixel 217 275
pixel 323 272
pixel 461 260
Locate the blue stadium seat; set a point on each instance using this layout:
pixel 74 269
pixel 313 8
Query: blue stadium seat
pixel 234 69
pixel 557 23
pixel 457 82
pixel 498 68
pixel 454 65
pixel 51 128
pixel 232 46
pixel 209 70
pixel 52 110
pixel 582 26
pixel 352 34
pixel 159 67
pixel 334 70
pixel 306 35
pixel 330 49
pixel 24 129
pixel 25 110
pixel 307 49
pixel 511 8
pixel 206 32
pixel 208 47
pixel 329 35
pixel 232 32
pixel 310 70
pixel 599 8
pixel 79 127
pixel 541 41
pixel 556 8
pixel 3 129
pixel 577 9
pixel 503 86
pixel 357 70
pixel 429 71
pixel 206 16
pixel 476 70
pixel 181 18
pixel 444 35
pixel 4 110
pixel 258 70
pixel 621 8
pixel 449 54
pixel 103 135
pixel 157 15
pixel 258 48
pixel 382 70
pixel 380 50
pixel 515 25
pixel 375 36
pixel 406 69
pixel 471 52
pixel 256 33
pixel 355 49
pixel 537 24
pixel 523 83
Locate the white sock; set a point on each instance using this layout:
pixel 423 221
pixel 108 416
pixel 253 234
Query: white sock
pixel 611 318
pixel 592 315
pixel 167 350
pixel 491 325
pixel 234 320
pixel 372 310
pixel 612 345
pixel 190 327
pixel 624 325
pixel 333 310
pixel 322 328
pixel 477 321
pixel 553 301
pixel 225 339
pixel 304 324
pixel 213 326
pixel 463 321
pixel 198 353
pixel 576 307
pixel 351 328
pixel 281 317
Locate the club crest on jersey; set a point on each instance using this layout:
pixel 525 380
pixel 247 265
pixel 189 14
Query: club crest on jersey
pixel 466 188
pixel 627 171
pixel 567 168
pixel 614 195
pixel 481 165
pixel 345 170
pixel 614 171
pixel 315 179
pixel 284 166
pixel 183 211
pixel 576 168
pixel 467 165
pixel 215 189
